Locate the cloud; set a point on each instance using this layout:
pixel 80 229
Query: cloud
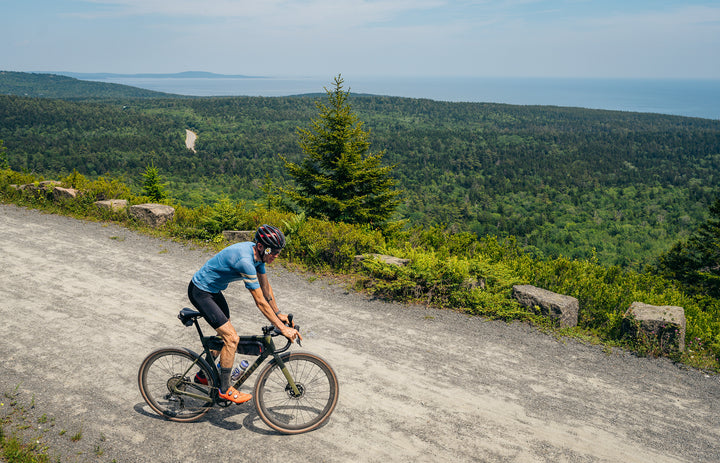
pixel 277 12
pixel 460 37
pixel 689 15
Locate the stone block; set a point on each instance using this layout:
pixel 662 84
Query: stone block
pixel 665 324
pixel 559 307
pixel 154 215
pixel 114 205
pixel 41 188
pixel 60 193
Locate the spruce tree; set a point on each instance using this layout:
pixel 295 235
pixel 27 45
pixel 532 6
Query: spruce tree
pixel 4 164
pixel 338 178
pixel 152 186
pixel 696 262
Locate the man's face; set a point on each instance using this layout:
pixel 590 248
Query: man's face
pixel 270 254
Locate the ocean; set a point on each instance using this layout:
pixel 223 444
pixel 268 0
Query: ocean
pixel 693 98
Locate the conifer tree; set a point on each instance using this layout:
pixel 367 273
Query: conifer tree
pixel 339 179
pixel 696 262
pixel 4 164
pixel 152 186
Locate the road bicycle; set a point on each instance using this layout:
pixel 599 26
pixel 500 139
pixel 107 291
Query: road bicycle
pixel 296 391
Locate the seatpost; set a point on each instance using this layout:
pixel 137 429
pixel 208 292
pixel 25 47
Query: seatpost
pixel 197 326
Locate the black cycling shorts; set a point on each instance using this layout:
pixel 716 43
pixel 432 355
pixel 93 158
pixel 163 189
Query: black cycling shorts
pixel 213 306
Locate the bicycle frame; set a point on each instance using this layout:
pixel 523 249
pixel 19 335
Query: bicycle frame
pixel 210 343
pixel 293 392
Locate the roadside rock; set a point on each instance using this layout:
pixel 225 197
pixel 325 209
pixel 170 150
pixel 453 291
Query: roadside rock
pixel 391 260
pixel 114 205
pixel 154 215
pixel 45 186
pixel 665 324
pixel 60 193
pixel 562 308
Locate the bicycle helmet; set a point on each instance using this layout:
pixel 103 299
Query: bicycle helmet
pixel 270 237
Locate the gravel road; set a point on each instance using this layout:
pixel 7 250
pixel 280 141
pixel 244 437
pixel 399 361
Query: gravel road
pixel 83 303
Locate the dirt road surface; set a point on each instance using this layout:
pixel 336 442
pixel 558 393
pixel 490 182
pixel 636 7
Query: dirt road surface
pixel 190 138
pixel 83 303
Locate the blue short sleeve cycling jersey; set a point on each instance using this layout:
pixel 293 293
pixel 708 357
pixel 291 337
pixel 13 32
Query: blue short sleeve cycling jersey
pixel 235 262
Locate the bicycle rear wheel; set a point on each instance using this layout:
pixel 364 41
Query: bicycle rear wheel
pixel 286 412
pixel 163 377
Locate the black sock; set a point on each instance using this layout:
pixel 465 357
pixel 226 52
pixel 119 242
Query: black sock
pixel 225 379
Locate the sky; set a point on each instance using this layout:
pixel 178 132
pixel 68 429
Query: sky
pixel 479 38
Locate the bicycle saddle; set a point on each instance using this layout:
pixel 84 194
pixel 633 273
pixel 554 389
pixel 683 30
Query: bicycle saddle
pixel 187 316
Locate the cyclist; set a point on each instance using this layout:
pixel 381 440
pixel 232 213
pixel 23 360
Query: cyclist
pixel 238 262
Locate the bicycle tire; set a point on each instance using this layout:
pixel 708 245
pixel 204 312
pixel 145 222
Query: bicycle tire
pixel 162 371
pixel 280 409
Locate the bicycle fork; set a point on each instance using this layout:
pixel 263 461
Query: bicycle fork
pixel 286 373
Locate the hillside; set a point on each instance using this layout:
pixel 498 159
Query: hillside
pixel 58 86
pixel 621 186
pixel 175 75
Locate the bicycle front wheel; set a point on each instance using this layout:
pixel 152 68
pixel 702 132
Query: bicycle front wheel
pixel 167 380
pixel 290 413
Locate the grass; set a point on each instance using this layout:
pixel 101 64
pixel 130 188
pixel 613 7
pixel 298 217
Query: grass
pixel 15 428
pixel 27 435
pixel 16 451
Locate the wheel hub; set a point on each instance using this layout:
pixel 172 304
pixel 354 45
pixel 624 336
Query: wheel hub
pixel 176 383
pixel 291 394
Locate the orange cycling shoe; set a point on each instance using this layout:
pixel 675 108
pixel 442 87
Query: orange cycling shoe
pixel 233 395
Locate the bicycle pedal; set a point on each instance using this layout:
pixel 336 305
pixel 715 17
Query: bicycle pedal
pixel 223 403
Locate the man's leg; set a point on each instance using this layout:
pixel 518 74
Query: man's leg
pixel 215 309
pixel 230 338
pixel 227 357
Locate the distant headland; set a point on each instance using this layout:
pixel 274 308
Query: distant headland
pixel 177 75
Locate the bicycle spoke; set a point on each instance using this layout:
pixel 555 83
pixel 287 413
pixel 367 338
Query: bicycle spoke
pixel 284 410
pixel 165 376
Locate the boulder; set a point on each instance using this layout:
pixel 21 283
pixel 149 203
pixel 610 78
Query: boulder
pixel 113 205
pixel 238 235
pixel 664 324
pixel 43 187
pixel 473 283
pixel 60 193
pixel 391 260
pixel 154 215
pixel 49 184
pixel 562 308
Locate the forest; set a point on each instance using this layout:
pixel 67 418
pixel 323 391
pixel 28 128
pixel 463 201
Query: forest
pixel 618 187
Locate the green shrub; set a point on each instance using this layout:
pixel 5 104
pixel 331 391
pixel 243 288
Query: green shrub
pixel 10 177
pixel 476 285
pixel 326 245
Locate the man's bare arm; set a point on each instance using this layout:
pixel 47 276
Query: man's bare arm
pixel 272 315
